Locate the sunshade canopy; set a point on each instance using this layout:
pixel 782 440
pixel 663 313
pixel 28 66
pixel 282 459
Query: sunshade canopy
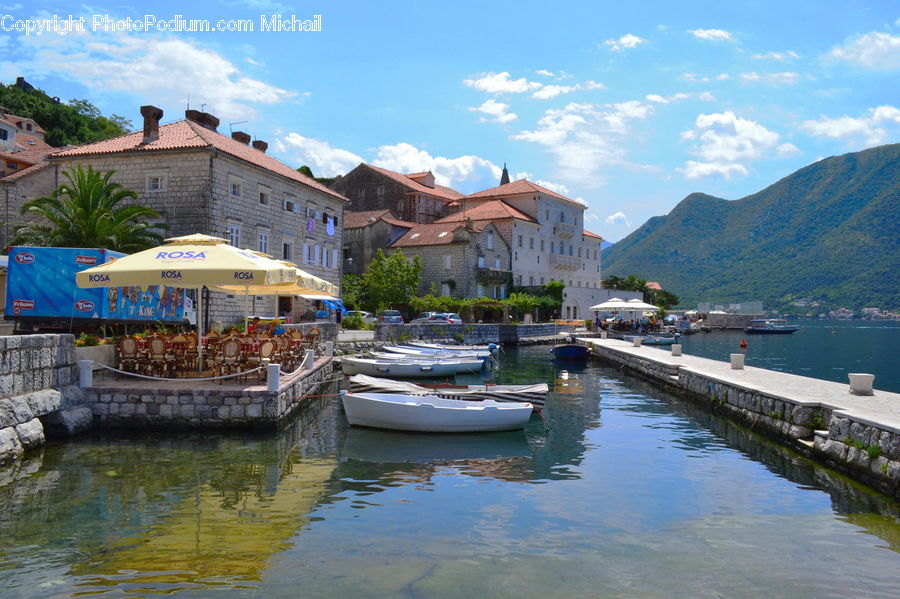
pixel 305 284
pixel 191 261
pixel 635 305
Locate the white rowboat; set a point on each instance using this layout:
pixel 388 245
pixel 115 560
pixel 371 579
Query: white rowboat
pixel 534 394
pixel 490 347
pixel 462 364
pixel 401 369
pixel 432 414
pixel 425 351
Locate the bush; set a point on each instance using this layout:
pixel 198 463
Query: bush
pixel 85 340
pixel 353 322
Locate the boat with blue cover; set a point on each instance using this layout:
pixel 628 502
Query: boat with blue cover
pixel 770 326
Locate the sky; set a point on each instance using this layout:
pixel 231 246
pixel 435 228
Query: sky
pixel 625 106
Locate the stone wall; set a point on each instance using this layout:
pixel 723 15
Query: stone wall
pixel 468 333
pixel 868 451
pixel 21 188
pixel 36 391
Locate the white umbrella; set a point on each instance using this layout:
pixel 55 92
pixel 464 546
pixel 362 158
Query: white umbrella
pixel 636 304
pixel 614 303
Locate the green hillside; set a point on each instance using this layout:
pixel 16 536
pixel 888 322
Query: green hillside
pixel 77 122
pixel 828 233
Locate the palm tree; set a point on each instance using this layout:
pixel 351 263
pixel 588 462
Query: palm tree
pixel 86 212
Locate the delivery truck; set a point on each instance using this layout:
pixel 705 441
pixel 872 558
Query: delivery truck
pixel 41 294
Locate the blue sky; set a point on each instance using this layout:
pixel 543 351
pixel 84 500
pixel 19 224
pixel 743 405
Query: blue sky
pixel 628 107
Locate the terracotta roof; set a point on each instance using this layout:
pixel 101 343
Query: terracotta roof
pixel 187 135
pixel 21 174
pixel 494 210
pixel 397 222
pixel 522 186
pixel 587 233
pixel 653 285
pixel 439 191
pixel 355 220
pixel 432 234
pixel 17 122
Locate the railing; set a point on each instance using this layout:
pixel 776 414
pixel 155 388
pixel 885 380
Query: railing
pixel 491 275
pixel 565 262
pixel 565 230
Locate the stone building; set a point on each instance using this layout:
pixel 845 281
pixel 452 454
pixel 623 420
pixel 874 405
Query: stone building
pixel 204 182
pixel 365 233
pixel 547 241
pixel 460 259
pixel 412 197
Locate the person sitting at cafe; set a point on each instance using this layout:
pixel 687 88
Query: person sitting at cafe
pixel 254 326
pixel 276 328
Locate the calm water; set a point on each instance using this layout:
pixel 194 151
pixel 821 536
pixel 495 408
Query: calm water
pixel 630 493
pixel 821 349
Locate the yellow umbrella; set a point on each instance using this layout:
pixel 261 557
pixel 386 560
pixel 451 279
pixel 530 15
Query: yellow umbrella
pixel 193 261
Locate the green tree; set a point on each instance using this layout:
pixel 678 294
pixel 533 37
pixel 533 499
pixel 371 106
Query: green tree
pixel 305 170
pixel 522 303
pixel 662 298
pixel 392 279
pixel 88 211
pixel 353 292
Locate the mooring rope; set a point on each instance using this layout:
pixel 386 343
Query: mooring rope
pixel 158 378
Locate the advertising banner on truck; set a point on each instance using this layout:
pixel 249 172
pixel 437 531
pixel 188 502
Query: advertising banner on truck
pixel 41 284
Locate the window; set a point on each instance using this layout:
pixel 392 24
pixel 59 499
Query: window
pixel 542 280
pixel 542 245
pixel 156 182
pixel 307 253
pixel 445 289
pixel 539 260
pixel 263 243
pixel 479 290
pixel 4 134
pixel 496 262
pixel 233 234
pixel 531 243
pixel 325 257
pixel 334 258
pixel 11 165
pixel 552 247
pixel 264 193
pixel 520 241
pixel 490 240
pixel 595 254
pixel 361 194
pixel 531 280
pixel 548 215
pixel 579 252
pixel 480 261
pixel 448 262
pixel 287 251
pixel 518 280
pixel 234 189
pixel 315 254
pixel 380 190
pixel 289 205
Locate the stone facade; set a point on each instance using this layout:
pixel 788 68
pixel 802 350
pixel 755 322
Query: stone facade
pixel 35 182
pixel 361 244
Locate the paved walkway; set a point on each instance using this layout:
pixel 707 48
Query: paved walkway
pixel 881 409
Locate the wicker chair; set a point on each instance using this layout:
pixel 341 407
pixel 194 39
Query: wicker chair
pixel 268 348
pixel 159 358
pixel 129 349
pixel 229 358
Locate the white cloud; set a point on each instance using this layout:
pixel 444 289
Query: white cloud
pixel 161 70
pixel 771 78
pixel 324 159
pixel 406 158
pixel 713 35
pixel 780 56
pixel 586 138
pixel 500 83
pixel 557 187
pixel 618 218
pixel 875 50
pixel 877 127
pixel 706 97
pixel 626 41
pixel 497 110
pixel 666 99
pixel 551 91
pixel 694 77
pixel 545 73
pixel 726 143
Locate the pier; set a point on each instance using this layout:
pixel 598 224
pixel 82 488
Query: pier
pixel 857 434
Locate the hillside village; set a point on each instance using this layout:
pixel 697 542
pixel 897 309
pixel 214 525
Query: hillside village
pixel 515 235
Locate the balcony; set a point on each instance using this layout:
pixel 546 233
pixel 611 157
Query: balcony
pixel 565 230
pixel 491 276
pixel 565 262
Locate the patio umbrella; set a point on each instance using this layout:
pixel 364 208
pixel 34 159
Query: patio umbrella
pixel 614 303
pixel 193 262
pixel 637 305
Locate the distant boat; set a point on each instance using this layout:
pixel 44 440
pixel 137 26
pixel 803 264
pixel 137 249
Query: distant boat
pixel 433 414
pixel 534 394
pixel 570 351
pixel 652 339
pixel 770 326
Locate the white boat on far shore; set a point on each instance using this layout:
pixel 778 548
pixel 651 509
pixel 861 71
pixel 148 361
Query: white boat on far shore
pixel 432 414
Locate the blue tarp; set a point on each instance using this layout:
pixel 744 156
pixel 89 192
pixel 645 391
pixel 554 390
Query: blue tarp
pixel 338 305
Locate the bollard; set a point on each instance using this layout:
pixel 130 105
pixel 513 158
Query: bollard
pixel 676 349
pixel 604 334
pixel 273 377
pixel 329 349
pixel 309 359
pixel 85 373
pixel 636 341
pixel 737 361
pixel 860 383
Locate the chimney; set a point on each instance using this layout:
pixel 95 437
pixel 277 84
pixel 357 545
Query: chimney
pixel 260 145
pixel 204 119
pixel 151 115
pixel 241 137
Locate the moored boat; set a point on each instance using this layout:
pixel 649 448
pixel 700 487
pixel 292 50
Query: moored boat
pixel 463 364
pixel 570 351
pixel 534 394
pixel 423 351
pixel 432 414
pixel 770 326
pixel 490 347
pixel 398 368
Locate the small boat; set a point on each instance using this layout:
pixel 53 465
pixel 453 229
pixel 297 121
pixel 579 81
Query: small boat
pixel 534 394
pixel 423 351
pixel 398 368
pixel 490 347
pixel 570 351
pixel 432 414
pixel 462 364
pixel 770 326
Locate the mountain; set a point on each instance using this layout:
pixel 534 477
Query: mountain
pixel 827 233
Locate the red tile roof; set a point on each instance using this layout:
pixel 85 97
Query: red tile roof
pixel 432 234
pixel 21 174
pixel 187 135
pixel 439 191
pixel 653 285
pixel 356 220
pixel 522 186
pixel 587 233
pixel 493 210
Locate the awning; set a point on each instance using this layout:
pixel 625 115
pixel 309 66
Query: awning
pixel 311 296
